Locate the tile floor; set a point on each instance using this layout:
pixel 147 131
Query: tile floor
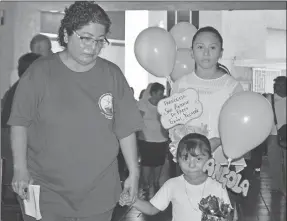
pixel 260 204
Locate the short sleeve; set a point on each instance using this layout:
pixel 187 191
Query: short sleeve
pixel 27 96
pixel 7 105
pixel 141 105
pixel 162 198
pixel 127 117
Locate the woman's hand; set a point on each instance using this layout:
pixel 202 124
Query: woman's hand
pixel 130 191
pixel 21 181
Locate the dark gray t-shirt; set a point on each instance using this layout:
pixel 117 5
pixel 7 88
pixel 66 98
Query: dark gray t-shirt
pixel 74 122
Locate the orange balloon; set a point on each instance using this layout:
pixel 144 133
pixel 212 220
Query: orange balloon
pixel 155 50
pixel 183 33
pixel 184 64
pixel 245 121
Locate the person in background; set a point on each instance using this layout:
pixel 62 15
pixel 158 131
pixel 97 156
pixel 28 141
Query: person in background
pixel 72 111
pixel 257 154
pixel 153 139
pixel 277 154
pixel 23 64
pixel 214 87
pixel 41 44
pixel 6 153
pixel 141 94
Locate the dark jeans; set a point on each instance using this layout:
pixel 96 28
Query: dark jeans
pixel 256 155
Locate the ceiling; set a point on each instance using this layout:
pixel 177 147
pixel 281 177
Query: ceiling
pixel 181 5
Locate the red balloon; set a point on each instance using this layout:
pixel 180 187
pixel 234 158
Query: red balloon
pixel 245 121
pixel 184 64
pixel 155 50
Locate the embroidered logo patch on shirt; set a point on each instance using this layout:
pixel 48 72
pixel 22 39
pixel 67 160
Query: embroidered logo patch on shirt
pixel 106 105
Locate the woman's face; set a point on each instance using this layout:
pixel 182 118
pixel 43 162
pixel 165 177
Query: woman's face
pixel 207 50
pixel 82 52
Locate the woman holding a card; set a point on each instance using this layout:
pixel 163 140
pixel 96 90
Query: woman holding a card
pixel 213 86
pixel 72 111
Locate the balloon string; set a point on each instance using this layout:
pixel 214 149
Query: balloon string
pixel 229 162
pixel 168 78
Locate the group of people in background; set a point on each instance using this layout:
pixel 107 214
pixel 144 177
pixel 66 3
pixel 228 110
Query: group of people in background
pixel 72 112
pixel 40 45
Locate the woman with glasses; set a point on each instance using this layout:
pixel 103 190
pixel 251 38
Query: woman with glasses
pixel 71 113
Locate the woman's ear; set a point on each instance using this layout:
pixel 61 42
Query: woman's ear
pixel 191 53
pixel 66 36
pixel 221 53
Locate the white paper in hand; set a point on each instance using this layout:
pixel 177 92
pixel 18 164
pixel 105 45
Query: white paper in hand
pixel 32 207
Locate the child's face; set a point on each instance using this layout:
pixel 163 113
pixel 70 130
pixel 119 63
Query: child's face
pixel 207 50
pixel 192 166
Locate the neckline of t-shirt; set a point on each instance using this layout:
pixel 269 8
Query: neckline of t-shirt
pixel 215 79
pixel 155 106
pixel 58 58
pixel 193 185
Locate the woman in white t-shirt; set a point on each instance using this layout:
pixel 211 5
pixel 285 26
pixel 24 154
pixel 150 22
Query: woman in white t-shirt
pixel 153 139
pixel 214 87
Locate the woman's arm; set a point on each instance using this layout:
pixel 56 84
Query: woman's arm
pixel 19 147
pixel 130 153
pixel 129 150
pixel 21 176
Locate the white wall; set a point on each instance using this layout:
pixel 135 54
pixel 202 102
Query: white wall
pixel 115 54
pixel 254 35
pixel 136 75
pixel 275 43
pixel 137 21
pixel 158 19
pixel 7 45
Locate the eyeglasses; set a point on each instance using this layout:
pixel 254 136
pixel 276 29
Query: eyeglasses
pixel 91 41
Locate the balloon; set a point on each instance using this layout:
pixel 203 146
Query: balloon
pixel 183 33
pixel 155 50
pixel 184 64
pixel 245 121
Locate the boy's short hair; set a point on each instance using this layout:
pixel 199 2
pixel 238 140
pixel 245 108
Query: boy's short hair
pixel 191 142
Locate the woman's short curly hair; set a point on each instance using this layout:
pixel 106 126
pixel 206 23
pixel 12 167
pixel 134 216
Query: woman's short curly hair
pixel 80 14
